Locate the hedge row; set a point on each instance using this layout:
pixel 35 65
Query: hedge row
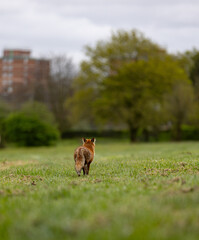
pixel 188 133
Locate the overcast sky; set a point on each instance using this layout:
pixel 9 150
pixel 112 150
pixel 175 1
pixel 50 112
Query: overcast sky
pixel 66 26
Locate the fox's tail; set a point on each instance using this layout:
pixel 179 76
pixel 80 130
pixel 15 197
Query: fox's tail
pixel 79 161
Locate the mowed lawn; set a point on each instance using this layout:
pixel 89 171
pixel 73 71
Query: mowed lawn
pixel 134 191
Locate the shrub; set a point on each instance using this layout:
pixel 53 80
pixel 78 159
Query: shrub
pixel 29 131
pixel 5 110
pixel 190 133
pixel 38 110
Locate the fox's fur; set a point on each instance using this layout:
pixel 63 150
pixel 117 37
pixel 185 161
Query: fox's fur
pixel 84 156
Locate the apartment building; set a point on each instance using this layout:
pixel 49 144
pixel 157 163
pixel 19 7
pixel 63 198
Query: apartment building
pixel 19 71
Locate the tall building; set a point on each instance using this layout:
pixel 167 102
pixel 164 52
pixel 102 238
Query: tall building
pixel 21 74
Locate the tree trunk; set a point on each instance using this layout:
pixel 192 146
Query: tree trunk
pixel 133 133
pixel 1 142
pixel 178 131
pixel 146 135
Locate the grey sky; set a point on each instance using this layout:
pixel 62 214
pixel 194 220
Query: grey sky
pixel 65 26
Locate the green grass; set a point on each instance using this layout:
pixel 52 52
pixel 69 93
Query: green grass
pixel 134 191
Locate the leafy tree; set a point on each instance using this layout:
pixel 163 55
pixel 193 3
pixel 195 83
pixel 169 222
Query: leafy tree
pixel 135 94
pixel 189 61
pixel 123 80
pixel 195 74
pixel 104 60
pixel 5 110
pixel 180 105
pixel 186 61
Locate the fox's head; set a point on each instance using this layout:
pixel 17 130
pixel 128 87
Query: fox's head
pixel 89 142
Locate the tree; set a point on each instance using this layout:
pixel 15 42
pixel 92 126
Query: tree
pixel 186 61
pixel 104 60
pixel 135 95
pixel 189 61
pixel 123 81
pixel 194 74
pixel 180 105
pixel 60 88
pixel 5 110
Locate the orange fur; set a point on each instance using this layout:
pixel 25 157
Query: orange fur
pixel 84 156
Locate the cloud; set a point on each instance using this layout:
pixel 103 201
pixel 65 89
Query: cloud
pixel 65 26
pixel 47 31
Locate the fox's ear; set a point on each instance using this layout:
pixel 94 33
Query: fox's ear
pixel 83 140
pixel 93 140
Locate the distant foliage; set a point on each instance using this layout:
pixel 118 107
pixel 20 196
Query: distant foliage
pixel 29 131
pixel 190 133
pixel 5 110
pixel 38 110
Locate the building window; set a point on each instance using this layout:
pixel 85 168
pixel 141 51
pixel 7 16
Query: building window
pixel 10 68
pixel 7 82
pixel 10 82
pixel 5 74
pixel 4 82
pixel 5 67
pixel 10 90
pixel 10 60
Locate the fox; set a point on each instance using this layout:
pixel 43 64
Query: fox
pixel 84 156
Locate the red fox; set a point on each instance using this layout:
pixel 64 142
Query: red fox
pixel 84 156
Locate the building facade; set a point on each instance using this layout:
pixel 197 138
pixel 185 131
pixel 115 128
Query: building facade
pixel 20 74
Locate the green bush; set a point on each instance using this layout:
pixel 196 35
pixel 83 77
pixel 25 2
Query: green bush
pixel 29 131
pixel 190 133
pixel 5 110
pixel 38 110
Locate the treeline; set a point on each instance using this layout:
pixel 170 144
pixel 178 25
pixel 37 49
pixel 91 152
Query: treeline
pixel 131 82
pixel 127 82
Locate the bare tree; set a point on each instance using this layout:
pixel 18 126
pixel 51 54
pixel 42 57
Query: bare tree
pixel 60 88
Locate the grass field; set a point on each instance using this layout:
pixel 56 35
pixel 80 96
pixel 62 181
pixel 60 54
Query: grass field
pixel 134 191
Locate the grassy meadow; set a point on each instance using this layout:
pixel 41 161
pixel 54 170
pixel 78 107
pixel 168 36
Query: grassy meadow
pixel 134 191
